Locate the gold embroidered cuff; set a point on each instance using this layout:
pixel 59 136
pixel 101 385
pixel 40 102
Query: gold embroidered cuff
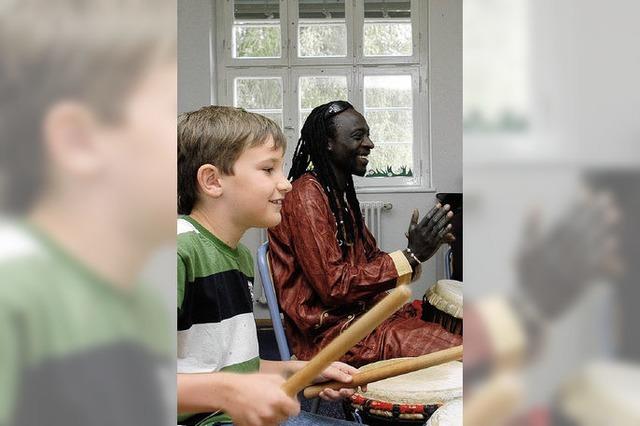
pixel 402 266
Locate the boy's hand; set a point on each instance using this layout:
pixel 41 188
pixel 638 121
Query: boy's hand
pixel 340 372
pixel 258 400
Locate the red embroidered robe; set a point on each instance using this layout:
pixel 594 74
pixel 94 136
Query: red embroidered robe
pixel 320 293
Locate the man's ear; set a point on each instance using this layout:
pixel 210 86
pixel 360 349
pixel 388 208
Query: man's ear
pixel 71 139
pixel 209 180
pixel 330 144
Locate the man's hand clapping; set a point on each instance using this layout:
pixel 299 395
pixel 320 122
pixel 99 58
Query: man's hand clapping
pixel 426 236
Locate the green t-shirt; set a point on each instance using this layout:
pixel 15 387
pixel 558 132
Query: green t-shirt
pixel 74 348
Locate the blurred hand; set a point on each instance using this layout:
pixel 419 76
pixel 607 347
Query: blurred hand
pixel 554 268
pixel 340 372
pixel 258 400
pixel 426 237
pixel 495 401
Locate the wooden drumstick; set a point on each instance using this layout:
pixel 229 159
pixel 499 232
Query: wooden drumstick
pixel 341 344
pixel 394 369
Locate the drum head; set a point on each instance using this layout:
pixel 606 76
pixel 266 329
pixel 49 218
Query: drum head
pixel 433 385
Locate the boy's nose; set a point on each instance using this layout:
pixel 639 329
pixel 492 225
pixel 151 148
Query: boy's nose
pixel 284 185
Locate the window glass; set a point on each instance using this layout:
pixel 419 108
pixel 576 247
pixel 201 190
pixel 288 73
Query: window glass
pixel 322 29
pixel 261 95
pixel 256 29
pixel 318 90
pixel 497 95
pixel 387 28
pixel 388 108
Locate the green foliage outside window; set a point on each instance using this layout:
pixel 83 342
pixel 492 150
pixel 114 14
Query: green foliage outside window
pixel 316 91
pixel 322 40
pixel 387 39
pixel 259 93
pixel 258 41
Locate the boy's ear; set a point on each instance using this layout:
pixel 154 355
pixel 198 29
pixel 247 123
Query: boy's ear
pixel 209 180
pixel 70 137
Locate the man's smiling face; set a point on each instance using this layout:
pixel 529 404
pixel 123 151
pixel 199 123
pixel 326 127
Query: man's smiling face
pixel 350 146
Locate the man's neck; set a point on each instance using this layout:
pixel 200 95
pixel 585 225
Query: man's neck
pixel 225 230
pixel 341 180
pixel 96 240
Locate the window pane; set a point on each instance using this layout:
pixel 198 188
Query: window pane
pixel 260 94
pixel 390 125
pixel 388 108
pixel 387 91
pixel 497 47
pixel 387 28
pixel 390 160
pixel 256 29
pixel 322 29
pixel 314 91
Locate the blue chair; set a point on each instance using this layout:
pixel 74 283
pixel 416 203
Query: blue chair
pixel 272 301
pixel 274 310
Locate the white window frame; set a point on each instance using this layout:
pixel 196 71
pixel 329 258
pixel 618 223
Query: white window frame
pixel 290 68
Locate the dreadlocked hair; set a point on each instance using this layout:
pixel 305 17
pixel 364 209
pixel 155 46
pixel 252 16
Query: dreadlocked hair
pixel 311 155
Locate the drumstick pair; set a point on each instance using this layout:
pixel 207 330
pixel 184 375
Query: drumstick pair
pixel 341 344
pixel 360 329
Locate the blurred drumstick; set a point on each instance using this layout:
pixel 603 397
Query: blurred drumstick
pixel 341 344
pixel 391 370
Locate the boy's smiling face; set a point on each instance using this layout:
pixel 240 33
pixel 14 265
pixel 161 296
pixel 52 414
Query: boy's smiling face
pixel 257 187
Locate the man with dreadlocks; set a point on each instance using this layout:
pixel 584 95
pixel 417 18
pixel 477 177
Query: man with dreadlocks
pixel 326 265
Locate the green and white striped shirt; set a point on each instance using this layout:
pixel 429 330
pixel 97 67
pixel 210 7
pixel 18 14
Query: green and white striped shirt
pixel 216 326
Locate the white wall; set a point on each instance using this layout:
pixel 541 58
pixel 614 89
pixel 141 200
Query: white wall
pixel 195 32
pixel 445 43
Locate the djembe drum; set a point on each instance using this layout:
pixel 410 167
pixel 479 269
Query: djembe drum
pixel 442 303
pixel 450 414
pixel 408 399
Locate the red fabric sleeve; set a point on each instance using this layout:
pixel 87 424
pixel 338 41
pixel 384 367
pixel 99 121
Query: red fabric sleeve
pixel 312 229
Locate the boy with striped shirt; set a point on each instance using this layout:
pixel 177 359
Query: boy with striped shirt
pixel 230 179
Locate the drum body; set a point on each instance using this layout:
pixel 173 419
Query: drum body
pixel 442 303
pixel 408 399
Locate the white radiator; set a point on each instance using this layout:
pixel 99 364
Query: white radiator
pixel 372 213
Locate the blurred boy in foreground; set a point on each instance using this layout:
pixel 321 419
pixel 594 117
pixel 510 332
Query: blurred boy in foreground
pixel 87 128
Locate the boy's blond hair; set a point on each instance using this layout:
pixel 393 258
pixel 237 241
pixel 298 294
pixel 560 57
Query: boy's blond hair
pixel 217 135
